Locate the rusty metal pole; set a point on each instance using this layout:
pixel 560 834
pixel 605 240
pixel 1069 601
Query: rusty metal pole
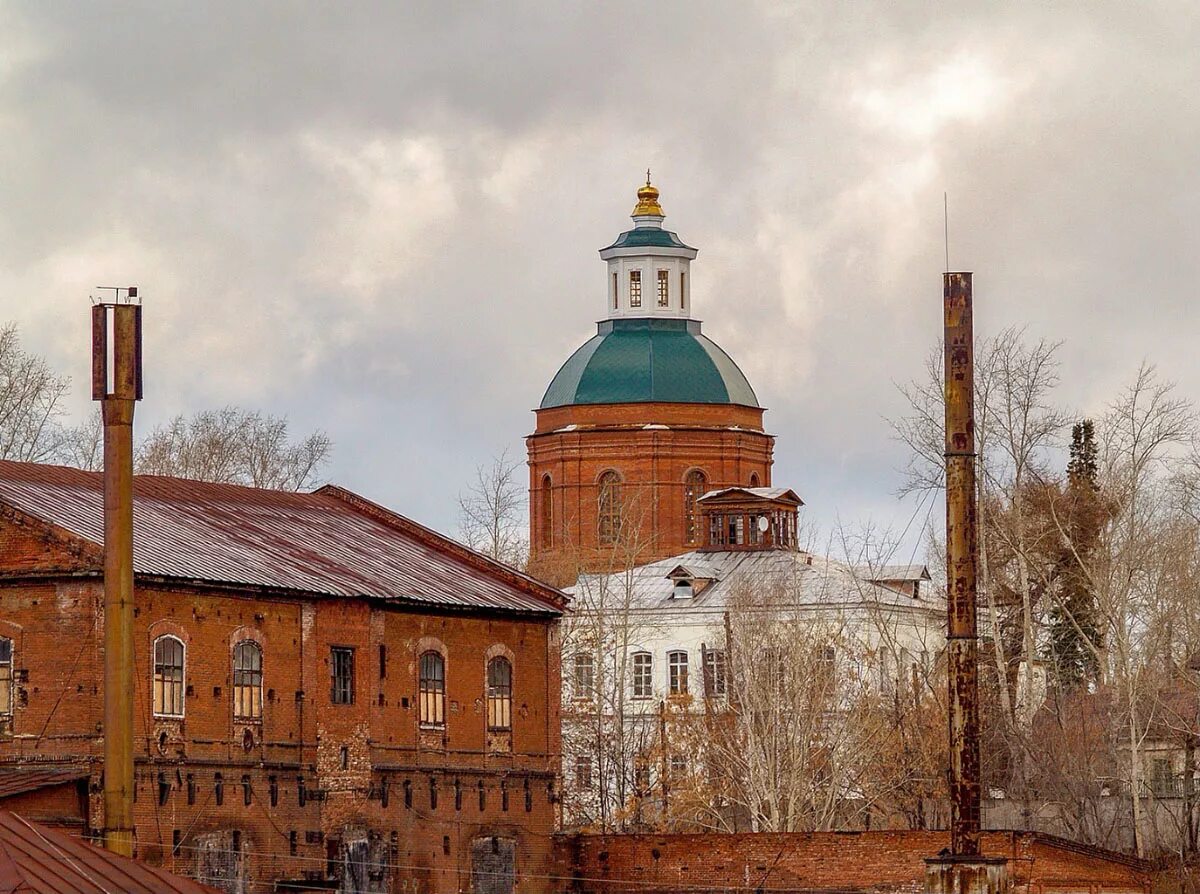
pixel 964 870
pixel 961 562
pixel 117 384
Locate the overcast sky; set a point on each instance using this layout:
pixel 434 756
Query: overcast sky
pixel 382 220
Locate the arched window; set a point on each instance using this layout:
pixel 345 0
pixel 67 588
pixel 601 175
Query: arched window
pixel 432 709
pixel 694 487
pixel 499 695
pixel 6 676
pixel 754 479
pixel 247 681
pixel 609 507
pixel 547 498
pixel 168 676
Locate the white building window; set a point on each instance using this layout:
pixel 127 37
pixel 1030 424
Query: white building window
pixel 583 772
pixel 714 673
pixel 677 672
pixel 584 678
pixel 643 675
pixel 635 288
pixel 664 288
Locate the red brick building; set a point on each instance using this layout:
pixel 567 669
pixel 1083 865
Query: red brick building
pixel 641 420
pixel 843 862
pixel 325 689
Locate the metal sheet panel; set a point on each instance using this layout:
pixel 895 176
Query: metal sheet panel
pixel 329 542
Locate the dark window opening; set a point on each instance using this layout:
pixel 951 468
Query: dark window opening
pixel 342 672
pixel 499 695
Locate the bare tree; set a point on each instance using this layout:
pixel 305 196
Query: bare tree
pixel 31 395
pixel 235 446
pixel 491 512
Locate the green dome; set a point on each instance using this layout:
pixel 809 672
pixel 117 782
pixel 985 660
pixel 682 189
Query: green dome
pixel 649 360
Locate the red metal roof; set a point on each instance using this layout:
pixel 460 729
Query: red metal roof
pixel 18 780
pixel 38 860
pixel 329 542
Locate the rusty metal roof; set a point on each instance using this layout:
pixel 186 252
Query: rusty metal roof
pixel 330 542
pixel 38 860
pixel 18 780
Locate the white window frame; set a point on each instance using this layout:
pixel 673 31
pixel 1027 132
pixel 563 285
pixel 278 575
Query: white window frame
pixel 154 665
pixel 677 672
pixel 643 675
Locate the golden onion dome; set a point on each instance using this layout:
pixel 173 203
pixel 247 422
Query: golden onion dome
pixel 648 201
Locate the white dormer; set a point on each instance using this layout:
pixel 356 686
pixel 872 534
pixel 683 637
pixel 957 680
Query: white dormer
pixel 649 268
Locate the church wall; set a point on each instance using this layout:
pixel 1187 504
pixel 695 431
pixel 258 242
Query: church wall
pixel 652 463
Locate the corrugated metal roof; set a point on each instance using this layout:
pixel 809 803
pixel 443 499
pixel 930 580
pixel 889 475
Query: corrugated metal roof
pixel 38 860
pixel 894 572
pixel 18 780
pixel 809 580
pixel 329 542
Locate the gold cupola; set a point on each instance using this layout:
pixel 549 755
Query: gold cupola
pixel 647 205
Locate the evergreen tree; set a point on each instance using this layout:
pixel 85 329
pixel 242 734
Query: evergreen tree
pixel 1073 624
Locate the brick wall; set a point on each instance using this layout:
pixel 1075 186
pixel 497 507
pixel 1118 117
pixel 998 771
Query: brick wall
pixel 852 861
pixel 252 803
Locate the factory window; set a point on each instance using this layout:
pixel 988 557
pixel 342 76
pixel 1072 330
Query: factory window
pixel 664 288
pixel 433 690
pixel 584 678
pixel 247 681
pixel 677 672
pixel 341 667
pixel 547 498
pixel 643 675
pixel 499 695
pixel 609 508
pixel 168 676
pixel 714 673
pixel 694 487
pixel 635 288
pixel 6 676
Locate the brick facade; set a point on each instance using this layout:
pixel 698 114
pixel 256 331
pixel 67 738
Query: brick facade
pixel 829 861
pixel 315 790
pixel 652 448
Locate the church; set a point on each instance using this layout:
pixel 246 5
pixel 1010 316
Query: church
pixel 652 503
pixel 642 420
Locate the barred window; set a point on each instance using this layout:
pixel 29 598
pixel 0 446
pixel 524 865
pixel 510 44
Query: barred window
pixel 168 676
pixel 714 673
pixel 677 672
pixel 6 676
pixel 433 690
pixel 609 508
pixel 643 675
pixel 694 487
pixel 664 288
pixel 247 681
pixel 635 288
pixel 499 695
pixel 341 665
pixel 584 680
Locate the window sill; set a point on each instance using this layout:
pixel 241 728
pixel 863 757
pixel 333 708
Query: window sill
pixel 250 721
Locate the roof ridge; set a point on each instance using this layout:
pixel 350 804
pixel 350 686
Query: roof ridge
pixel 556 599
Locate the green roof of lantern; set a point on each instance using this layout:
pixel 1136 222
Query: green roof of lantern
pixel 642 237
pixel 649 360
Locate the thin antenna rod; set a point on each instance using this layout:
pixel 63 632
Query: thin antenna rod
pixel 946 218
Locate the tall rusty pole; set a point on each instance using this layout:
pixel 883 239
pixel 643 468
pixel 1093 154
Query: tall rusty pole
pixel 117 384
pixel 961 562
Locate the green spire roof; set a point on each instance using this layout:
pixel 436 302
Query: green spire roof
pixel 643 237
pixel 649 360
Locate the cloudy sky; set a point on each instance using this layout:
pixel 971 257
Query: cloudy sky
pixel 382 220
